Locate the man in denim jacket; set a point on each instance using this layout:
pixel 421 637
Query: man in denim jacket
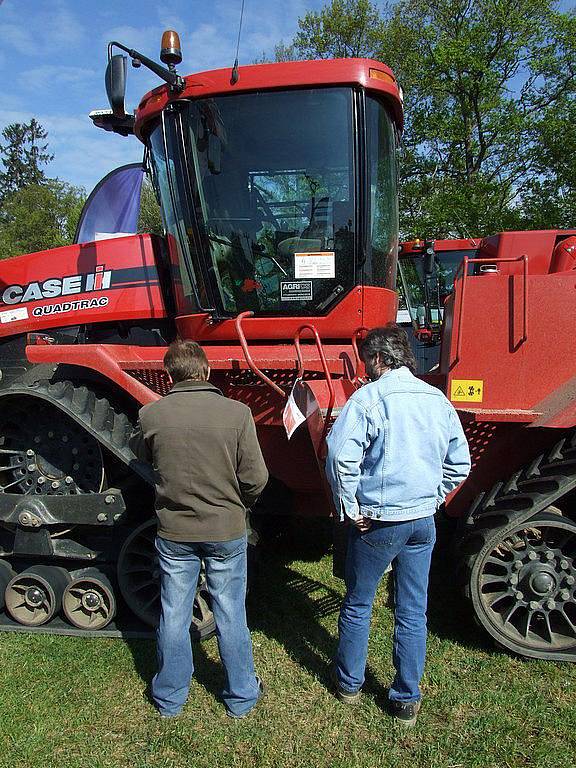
pixel 394 453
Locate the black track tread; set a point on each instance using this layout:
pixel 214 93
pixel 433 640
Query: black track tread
pixel 110 427
pixel 527 493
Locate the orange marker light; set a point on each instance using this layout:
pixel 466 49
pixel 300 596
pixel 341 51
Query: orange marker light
pixel 378 74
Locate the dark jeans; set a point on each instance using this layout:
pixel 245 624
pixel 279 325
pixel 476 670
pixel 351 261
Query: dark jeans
pixel 225 564
pixel 409 544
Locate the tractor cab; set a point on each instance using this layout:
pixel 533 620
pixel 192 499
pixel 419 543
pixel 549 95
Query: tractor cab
pixel 426 273
pixel 277 185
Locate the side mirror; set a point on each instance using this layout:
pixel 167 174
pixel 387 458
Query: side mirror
pixel 429 262
pixel 116 84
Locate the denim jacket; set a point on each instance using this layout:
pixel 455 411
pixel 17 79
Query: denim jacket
pixel 396 450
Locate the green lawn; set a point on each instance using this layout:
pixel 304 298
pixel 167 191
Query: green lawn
pixel 81 703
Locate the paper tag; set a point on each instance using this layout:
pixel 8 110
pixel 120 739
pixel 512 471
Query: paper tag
pixel 11 315
pixel 296 291
pixel 315 265
pixel 292 416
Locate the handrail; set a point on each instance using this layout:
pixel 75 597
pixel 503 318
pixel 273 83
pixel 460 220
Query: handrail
pixel 357 378
pixel 490 260
pixel 243 343
pixel 325 368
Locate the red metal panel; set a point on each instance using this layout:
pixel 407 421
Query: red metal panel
pixel 105 281
pixel 517 375
pixel 537 245
pixel 362 306
pixel 266 77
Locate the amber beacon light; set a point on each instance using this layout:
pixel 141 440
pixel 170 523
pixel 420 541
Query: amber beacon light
pixel 170 51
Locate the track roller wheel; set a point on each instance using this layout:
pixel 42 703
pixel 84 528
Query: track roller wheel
pixel 522 584
pixel 34 596
pixel 88 601
pixel 7 573
pixel 139 581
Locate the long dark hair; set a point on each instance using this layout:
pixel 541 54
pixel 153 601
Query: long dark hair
pixel 389 346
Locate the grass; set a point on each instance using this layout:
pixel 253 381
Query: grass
pixel 81 703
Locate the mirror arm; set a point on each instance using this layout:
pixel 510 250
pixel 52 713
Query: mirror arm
pixel 174 80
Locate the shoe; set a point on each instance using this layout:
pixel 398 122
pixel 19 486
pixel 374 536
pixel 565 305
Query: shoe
pixel 245 714
pixel 405 712
pixel 346 697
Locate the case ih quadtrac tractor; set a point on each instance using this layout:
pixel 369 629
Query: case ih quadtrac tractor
pixel 278 190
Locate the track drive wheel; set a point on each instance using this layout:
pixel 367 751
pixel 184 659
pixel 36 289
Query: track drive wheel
pixel 139 581
pixel 34 596
pixel 89 601
pixel 522 585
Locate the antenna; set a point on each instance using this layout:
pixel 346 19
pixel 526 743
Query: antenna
pixel 235 75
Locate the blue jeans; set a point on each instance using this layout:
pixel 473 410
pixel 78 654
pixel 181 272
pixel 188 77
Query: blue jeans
pixel 225 563
pixel 409 544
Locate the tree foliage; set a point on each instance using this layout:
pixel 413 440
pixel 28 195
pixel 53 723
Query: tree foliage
pixel 39 216
pixel 150 219
pixel 36 212
pixel 22 156
pixel 489 97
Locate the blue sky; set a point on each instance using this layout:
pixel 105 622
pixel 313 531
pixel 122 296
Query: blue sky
pixel 53 57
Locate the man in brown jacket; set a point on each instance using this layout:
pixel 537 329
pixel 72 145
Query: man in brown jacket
pixel 209 469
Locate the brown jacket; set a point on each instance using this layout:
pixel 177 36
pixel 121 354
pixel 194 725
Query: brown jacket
pixel 207 460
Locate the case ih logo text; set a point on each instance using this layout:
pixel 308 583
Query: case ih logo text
pixel 99 280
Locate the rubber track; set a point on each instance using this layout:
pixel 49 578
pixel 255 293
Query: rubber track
pixel 524 495
pixel 111 428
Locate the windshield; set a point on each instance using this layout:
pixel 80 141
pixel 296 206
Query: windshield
pixel 261 194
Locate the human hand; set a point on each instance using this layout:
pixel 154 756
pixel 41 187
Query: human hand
pixel 363 524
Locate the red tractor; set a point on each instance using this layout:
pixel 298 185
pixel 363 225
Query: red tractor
pixel 278 191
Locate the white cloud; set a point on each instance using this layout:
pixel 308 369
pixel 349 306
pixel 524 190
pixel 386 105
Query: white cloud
pixel 54 76
pixel 41 33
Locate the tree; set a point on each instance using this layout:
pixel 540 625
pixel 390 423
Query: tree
pixel 485 81
pixel 150 218
pixel 22 156
pixel 40 216
pixel 343 29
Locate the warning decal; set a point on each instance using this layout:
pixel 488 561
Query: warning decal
pixel 467 390
pixel 315 264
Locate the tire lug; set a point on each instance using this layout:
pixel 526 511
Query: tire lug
pixel 31 467
pixel 517 565
pixel 29 452
pixel 41 480
pixel 550 604
pixel 519 595
pixel 564 564
pixel 513 579
pixel 570 580
pixel 532 555
pixel 565 594
pixel 55 484
pixel 534 604
pixel 68 480
pixel 549 555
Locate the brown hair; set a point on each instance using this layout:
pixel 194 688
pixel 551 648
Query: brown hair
pixel 390 346
pixel 186 360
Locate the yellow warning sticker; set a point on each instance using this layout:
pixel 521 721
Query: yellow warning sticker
pixel 466 390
